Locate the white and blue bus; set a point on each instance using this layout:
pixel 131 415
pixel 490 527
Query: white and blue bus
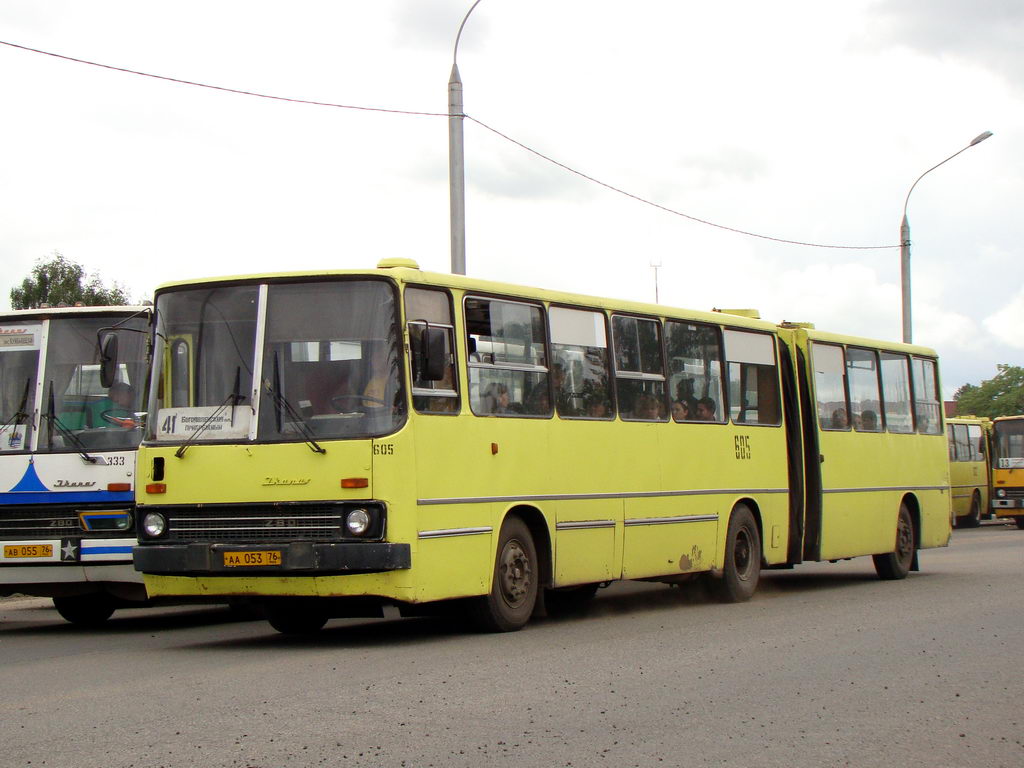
pixel 68 440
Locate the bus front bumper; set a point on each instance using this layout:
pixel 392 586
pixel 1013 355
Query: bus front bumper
pixel 298 557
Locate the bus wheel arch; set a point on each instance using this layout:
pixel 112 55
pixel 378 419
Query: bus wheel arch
pixel 742 558
pixel 517 573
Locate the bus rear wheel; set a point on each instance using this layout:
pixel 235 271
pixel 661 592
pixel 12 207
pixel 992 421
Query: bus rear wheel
pixel 86 610
pixel 973 518
pixel 742 568
pixel 896 564
pixel 513 595
pixel 1020 522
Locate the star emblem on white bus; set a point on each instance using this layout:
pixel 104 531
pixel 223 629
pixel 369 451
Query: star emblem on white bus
pixel 68 551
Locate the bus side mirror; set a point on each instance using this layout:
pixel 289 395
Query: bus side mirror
pixel 433 353
pixel 108 360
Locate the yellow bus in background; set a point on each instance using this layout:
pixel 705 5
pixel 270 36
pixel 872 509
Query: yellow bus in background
pixel 1008 468
pixel 970 464
pixel 330 444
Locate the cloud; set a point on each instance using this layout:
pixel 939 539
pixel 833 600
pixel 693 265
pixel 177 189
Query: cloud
pixel 985 33
pixel 1005 324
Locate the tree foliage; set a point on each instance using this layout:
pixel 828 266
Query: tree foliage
pixel 1002 395
pixel 59 281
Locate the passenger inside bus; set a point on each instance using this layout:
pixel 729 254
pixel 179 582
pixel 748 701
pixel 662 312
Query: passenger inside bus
pixel 705 409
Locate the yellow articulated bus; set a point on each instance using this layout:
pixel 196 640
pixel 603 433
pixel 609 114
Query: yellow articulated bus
pixel 331 444
pixel 1008 468
pixel 969 468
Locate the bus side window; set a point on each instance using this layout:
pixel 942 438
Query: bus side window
pixel 753 378
pixel 926 398
pixel 695 370
pixel 511 376
pixel 433 307
pixel 830 386
pixel 579 373
pixel 865 400
pixel 639 373
pixel 896 392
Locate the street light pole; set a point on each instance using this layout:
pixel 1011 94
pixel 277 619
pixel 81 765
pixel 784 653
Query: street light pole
pixel 456 159
pixel 905 241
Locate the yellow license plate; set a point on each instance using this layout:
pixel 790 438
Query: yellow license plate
pixel 252 559
pixel 28 550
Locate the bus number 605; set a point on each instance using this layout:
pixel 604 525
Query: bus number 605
pixel 742 445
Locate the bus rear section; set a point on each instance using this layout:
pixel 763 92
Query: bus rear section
pixel 1008 468
pixel 67 457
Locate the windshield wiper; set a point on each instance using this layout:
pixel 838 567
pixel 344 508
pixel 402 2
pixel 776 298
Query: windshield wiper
pixel 280 401
pixel 20 416
pixel 67 434
pixel 233 399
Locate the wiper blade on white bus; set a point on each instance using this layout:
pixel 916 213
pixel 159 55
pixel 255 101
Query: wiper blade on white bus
pixel 19 416
pixel 67 434
pixel 233 399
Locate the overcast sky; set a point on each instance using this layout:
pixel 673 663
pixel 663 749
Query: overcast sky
pixel 799 120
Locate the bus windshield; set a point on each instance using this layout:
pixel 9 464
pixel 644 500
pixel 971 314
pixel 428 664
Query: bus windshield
pixel 1009 444
pixel 328 367
pixel 19 360
pixel 77 411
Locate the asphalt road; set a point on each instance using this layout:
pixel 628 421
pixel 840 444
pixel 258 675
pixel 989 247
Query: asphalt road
pixel 826 666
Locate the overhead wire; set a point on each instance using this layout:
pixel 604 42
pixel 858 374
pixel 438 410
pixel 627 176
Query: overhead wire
pixel 472 119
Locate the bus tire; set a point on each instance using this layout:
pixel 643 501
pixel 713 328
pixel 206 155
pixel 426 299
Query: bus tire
pixel 742 568
pixel 569 600
pixel 86 610
pixel 1020 522
pixel 973 518
pixel 896 564
pixel 295 618
pixel 510 602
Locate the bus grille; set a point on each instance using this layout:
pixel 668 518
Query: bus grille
pixel 1013 493
pixel 50 521
pixel 255 523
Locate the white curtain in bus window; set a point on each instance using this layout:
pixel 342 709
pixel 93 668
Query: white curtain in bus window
pixel 639 376
pixel 19 361
pixel 830 386
pixel 695 370
pixel 753 378
pixel 865 395
pixel 508 374
pixel 579 370
pixel 926 397
pixel 896 392
pixel 975 443
pixel 433 307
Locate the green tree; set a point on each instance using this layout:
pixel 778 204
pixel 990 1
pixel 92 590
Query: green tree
pixel 59 281
pixel 1002 395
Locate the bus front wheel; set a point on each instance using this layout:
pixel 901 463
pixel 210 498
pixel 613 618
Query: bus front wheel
pixel 295 617
pixel 86 610
pixel 896 564
pixel 742 568
pixel 510 602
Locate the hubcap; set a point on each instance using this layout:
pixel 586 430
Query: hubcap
pixel 515 573
pixel 741 553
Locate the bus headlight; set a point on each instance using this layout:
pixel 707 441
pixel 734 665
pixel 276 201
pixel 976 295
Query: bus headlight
pixel 1001 493
pixel 154 525
pixel 358 522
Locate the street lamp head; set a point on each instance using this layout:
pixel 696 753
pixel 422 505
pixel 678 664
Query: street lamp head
pixel 980 138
